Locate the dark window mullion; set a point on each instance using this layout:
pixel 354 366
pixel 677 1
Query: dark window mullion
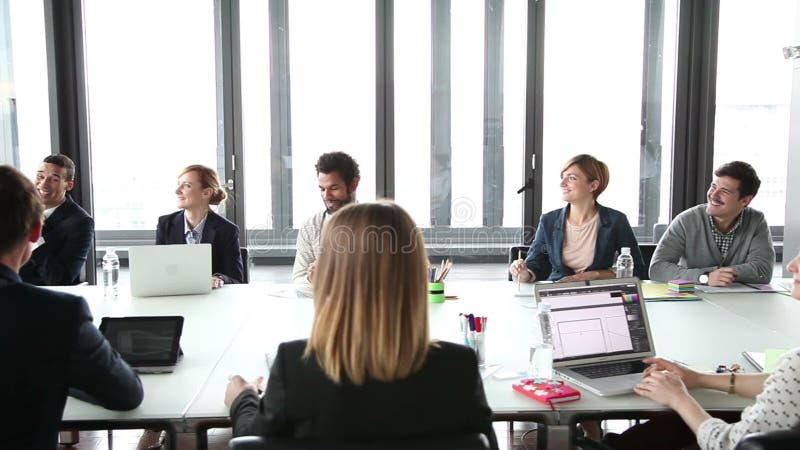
pixel 534 107
pixel 281 140
pixel 441 149
pixel 229 108
pixel 69 115
pixel 695 97
pixel 384 99
pixel 493 149
pixel 652 78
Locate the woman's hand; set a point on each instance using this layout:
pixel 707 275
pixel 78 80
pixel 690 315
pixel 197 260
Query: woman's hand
pixel 690 378
pixel 583 276
pixel 237 385
pixel 519 271
pixel 664 387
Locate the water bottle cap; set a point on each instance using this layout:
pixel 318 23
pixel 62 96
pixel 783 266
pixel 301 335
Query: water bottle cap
pixel 626 250
pixel 111 250
pixel 544 307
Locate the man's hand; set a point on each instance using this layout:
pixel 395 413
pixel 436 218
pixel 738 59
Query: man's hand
pixel 310 272
pixel 722 276
pixel 519 271
pixel 237 385
pixel 216 282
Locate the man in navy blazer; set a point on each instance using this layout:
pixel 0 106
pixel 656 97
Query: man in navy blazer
pixel 68 229
pixel 222 234
pixel 49 343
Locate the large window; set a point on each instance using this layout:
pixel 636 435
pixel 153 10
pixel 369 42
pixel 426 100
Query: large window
pixel 152 104
pixel 754 88
pixel 453 94
pixel 24 107
pixel 256 116
pixel 459 111
pixel 599 100
pixel 332 77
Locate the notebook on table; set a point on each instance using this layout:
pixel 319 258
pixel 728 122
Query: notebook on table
pixel 147 344
pixel 170 269
pixel 600 333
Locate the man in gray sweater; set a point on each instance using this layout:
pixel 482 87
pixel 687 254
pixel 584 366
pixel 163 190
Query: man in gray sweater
pixel 721 241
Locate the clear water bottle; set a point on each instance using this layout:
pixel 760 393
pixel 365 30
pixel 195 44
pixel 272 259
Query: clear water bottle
pixel 541 352
pixel 625 263
pixel 110 273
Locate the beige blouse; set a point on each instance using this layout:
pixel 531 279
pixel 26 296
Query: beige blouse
pixel 579 244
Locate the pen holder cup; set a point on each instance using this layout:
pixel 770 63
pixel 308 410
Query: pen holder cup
pixel 435 292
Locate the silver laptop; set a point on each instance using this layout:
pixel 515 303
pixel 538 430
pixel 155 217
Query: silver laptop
pixel 600 333
pixel 170 269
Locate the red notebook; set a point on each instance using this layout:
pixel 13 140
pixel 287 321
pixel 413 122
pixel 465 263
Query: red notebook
pixel 547 391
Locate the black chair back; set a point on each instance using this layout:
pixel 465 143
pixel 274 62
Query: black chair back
pixel 469 441
pixel 647 255
pixel 771 440
pixel 245 264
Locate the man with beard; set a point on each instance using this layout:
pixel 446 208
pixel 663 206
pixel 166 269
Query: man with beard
pixel 338 177
pixel 721 241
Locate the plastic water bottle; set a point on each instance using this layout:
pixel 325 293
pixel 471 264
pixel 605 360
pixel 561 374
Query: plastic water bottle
pixel 541 352
pixel 625 263
pixel 110 273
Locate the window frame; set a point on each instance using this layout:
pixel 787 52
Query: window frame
pixel 692 131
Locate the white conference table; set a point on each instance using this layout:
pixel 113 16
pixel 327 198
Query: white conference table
pixel 211 322
pixel 230 330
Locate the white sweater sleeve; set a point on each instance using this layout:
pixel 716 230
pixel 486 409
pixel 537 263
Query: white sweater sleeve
pixel 777 407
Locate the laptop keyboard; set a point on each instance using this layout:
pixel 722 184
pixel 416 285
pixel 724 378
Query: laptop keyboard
pixel 611 369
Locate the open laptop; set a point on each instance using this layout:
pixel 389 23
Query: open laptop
pixel 600 333
pixel 170 269
pixel 147 344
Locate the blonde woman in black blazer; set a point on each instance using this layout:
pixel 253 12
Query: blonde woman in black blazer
pixel 369 369
pixel 198 188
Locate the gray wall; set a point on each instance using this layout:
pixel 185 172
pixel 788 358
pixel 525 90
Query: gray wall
pixel 791 231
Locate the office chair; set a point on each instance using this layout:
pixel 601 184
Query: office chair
pixel 469 441
pixel 245 264
pixel 771 440
pixel 647 255
pixel 658 230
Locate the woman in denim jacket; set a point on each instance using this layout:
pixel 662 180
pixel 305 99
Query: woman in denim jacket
pixel 581 240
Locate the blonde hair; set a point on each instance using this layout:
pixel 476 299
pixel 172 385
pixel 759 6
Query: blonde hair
pixel 208 179
pixel 370 295
pixel 594 169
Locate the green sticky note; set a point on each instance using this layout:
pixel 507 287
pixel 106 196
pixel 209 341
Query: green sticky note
pixel 772 357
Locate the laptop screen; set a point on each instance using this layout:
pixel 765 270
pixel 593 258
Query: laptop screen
pixel 598 320
pixel 144 341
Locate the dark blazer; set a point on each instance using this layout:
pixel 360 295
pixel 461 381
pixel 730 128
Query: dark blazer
pixel 613 233
pixel 68 234
pixel 221 233
pixel 49 346
pixel 444 397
